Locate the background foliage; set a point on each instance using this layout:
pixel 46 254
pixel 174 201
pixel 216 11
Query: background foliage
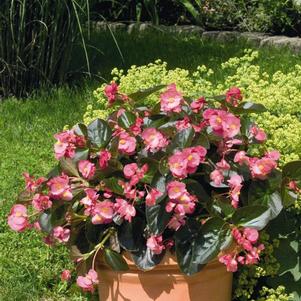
pixel 36 40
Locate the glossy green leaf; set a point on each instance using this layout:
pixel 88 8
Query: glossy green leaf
pixel 45 222
pixel 99 133
pixel 157 218
pixel 69 167
pixel 249 107
pixel 256 216
pixel 115 260
pixel 182 139
pixel 145 259
pixel 130 235
pixel 197 189
pixel 80 129
pixel 112 184
pixel 292 170
pixel 196 247
pixel 142 94
pixel 126 119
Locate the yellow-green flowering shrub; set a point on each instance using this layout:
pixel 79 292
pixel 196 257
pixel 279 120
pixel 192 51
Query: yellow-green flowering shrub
pixel 279 92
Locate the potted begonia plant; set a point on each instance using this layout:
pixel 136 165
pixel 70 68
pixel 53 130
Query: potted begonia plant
pixel 159 203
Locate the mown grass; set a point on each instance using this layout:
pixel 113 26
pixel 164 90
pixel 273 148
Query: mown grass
pixel 29 271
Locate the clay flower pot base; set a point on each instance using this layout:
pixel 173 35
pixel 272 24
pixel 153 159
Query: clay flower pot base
pixel 164 283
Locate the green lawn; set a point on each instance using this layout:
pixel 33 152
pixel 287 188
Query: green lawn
pixel 29 270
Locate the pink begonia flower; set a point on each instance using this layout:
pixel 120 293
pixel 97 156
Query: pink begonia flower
pixel 235 180
pixel 37 226
pixel 87 282
pixel 66 144
pixel 235 185
pixel 293 185
pixel 223 123
pixel 176 189
pixel 60 234
pixel 86 168
pixel 234 194
pixel 183 124
pixel 111 91
pixel 198 104
pixel 171 100
pixel 258 134
pixel 136 127
pixel 223 165
pixel 229 261
pixel 31 185
pixel 178 165
pixel 176 222
pixel 241 158
pixel 155 244
pixel 127 144
pixel 60 188
pixel 261 168
pixel 180 201
pixel 152 196
pixel 274 155
pixel 41 202
pixel 66 275
pixel 89 201
pixel 186 162
pixel 124 209
pixel 153 140
pixel 217 177
pixel 253 256
pixel 104 158
pixel 134 173
pixel 18 218
pixel 233 96
pixel 251 234
pixel 129 170
pixel 103 213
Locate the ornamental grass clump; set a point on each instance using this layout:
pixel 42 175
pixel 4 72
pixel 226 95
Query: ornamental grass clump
pixel 175 177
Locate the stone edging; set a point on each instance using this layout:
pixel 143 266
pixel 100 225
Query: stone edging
pixel 259 39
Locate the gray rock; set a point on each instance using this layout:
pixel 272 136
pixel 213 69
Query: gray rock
pixel 133 27
pixel 228 36
pixel 254 37
pixel 210 34
pixel 188 29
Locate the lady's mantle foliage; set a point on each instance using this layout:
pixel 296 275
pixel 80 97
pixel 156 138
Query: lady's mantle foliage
pixel 175 177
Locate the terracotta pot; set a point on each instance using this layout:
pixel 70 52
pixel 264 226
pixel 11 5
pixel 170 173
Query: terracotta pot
pixel 164 283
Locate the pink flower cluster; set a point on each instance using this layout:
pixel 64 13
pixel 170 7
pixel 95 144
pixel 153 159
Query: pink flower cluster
pixel 66 144
pixel 247 251
pixel 102 212
pixel 111 92
pixel 41 202
pixel 180 202
pixel 260 168
pixel 127 143
pixel 124 209
pixel 134 173
pixel 86 168
pixel 18 218
pixel 31 185
pixel 61 234
pixel 104 158
pixel 186 161
pixel 233 96
pixel 222 123
pixel 87 282
pixel 171 100
pixel 153 139
pixel 258 134
pixel 155 244
pixel 152 196
pixel 60 188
